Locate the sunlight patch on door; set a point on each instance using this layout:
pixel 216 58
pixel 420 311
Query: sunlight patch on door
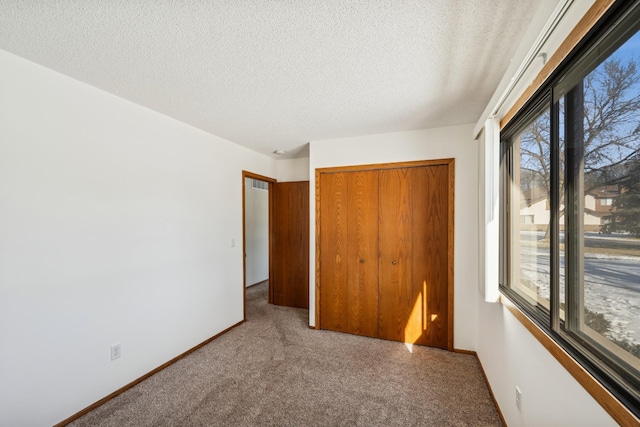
pixel 416 324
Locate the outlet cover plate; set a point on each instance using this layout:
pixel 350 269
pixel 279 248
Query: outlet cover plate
pixel 115 352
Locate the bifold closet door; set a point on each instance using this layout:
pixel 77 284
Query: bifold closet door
pixel 384 253
pixel 333 244
pixel 362 238
pixel 413 227
pixel 396 218
pixel 431 273
pixel 349 248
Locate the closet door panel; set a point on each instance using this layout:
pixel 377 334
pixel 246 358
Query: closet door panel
pixel 395 240
pixel 418 282
pixel 333 244
pixel 428 321
pixel 362 287
pixel 438 308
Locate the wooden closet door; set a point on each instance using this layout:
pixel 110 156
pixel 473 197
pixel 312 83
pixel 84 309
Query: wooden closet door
pixel 397 218
pixel 396 298
pixel 428 322
pixel 349 248
pixel 333 250
pixel 362 253
pixel 413 255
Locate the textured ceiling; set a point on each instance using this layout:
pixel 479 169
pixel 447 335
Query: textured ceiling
pixel 277 74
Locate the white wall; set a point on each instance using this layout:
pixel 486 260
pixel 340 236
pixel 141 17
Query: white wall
pixel 115 227
pixel 451 142
pixel 512 356
pixel 290 170
pixel 256 231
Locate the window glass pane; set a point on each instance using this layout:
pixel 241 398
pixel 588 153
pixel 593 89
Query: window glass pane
pixel 608 187
pixel 530 180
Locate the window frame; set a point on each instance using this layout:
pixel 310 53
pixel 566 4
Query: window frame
pixel 620 22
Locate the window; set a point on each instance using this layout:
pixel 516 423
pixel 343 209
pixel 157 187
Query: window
pixel 529 251
pixel 576 270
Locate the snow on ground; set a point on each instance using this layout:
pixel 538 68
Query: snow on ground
pixel 612 287
pixel 619 306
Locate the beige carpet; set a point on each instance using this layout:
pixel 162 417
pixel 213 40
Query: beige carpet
pixel 275 371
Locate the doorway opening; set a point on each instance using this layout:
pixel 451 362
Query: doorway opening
pixel 287 233
pixel 256 232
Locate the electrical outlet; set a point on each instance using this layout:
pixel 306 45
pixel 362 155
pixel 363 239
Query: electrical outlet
pixel 233 243
pixel 518 398
pixel 115 352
